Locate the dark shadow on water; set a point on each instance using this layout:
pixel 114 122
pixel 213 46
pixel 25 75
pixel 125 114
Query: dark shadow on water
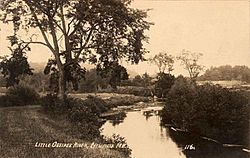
pixel 150 113
pixel 117 119
pixel 202 147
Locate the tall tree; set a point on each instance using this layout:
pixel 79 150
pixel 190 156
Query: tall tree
pixel 16 65
pixel 146 80
pixel 98 31
pixel 163 61
pixel 114 73
pixel 190 62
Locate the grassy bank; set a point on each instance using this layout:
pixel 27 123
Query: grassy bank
pixel 22 127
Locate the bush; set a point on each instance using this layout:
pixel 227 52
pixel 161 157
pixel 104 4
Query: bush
pixel 180 97
pixel 117 141
pixel 83 114
pixel 137 91
pixel 125 100
pixel 96 104
pixel 20 95
pixel 163 84
pixel 54 106
pixel 38 80
pixel 208 110
pixel 85 120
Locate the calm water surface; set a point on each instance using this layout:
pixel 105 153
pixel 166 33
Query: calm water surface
pixel 144 136
pixel 148 139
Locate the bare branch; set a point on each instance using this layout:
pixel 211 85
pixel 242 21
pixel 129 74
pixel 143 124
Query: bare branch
pixel 33 42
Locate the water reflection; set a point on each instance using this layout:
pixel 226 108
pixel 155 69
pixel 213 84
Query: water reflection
pixel 151 112
pixel 145 137
pixel 148 139
pixel 117 119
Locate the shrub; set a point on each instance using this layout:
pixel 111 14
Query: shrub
pixel 96 104
pixel 54 106
pixel 85 120
pixel 119 143
pixel 208 110
pixel 38 80
pixel 180 97
pixel 83 114
pixel 163 84
pixel 20 95
pixel 137 91
pixel 4 101
pixel 125 100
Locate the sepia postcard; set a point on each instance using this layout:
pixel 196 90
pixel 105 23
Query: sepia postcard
pixel 124 78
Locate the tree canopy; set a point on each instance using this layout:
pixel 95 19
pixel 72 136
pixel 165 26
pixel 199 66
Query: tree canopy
pixel 163 61
pixel 227 72
pixel 190 62
pixel 96 31
pixel 114 73
pixel 16 65
pixel 143 80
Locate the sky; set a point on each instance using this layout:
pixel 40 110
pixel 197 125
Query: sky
pixel 219 30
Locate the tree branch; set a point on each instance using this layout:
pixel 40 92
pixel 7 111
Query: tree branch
pixel 69 25
pixel 33 42
pixel 63 20
pixel 85 44
pixel 40 27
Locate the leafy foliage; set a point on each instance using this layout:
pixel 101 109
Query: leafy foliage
pixel 117 140
pixel 15 66
pixel 38 81
pixel 19 95
pixel 2 81
pixel 137 80
pixel 142 81
pixel 163 84
pixel 227 72
pixel 93 82
pixel 73 74
pixel 99 32
pixel 83 114
pixel 125 100
pixel 208 110
pixel 114 72
pixel 163 61
pixel 137 91
pixel 190 61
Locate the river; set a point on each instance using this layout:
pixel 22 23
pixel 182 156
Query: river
pixel 148 139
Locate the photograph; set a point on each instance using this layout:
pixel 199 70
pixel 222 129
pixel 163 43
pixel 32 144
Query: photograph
pixel 124 79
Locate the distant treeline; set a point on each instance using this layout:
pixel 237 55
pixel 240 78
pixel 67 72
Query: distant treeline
pixel 227 72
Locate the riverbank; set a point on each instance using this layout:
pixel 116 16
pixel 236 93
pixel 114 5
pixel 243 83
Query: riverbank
pixel 22 128
pixel 161 141
pixel 114 99
pixel 26 131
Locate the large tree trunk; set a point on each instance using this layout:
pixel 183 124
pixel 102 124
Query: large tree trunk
pixel 61 80
pixel 62 84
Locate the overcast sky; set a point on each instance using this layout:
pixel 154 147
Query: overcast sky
pixel 218 29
